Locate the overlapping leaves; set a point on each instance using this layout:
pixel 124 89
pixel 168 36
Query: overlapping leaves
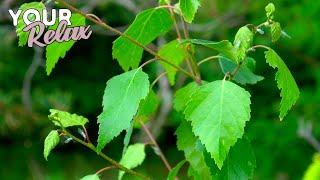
pixel 218 112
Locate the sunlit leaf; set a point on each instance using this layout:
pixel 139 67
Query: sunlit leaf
pixel 147 26
pixel 133 157
pixel 51 141
pixel 224 47
pixel 286 83
pixel 66 119
pixel 189 9
pixel 23 36
pixel 173 53
pixel 58 50
pixel 218 112
pixel 242 42
pixel 121 100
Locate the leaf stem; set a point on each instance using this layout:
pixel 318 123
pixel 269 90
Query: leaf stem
pixel 260 46
pixel 104 25
pixel 164 159
pixel 91 146
pixel 105 169
pixel 148 62
pixel 86 133
pixel 207 59
pixel 235 71
pixel 160 76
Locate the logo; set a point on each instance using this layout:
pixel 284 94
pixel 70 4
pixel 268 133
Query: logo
pixel 37 28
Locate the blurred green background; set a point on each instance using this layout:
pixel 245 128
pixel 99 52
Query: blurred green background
pixel 78 81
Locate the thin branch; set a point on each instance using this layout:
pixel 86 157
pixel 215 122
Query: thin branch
pixel 160 76
pixel 104 25
pixel 148 62
pixel 208 59
pixel 235 71
pixel 92 147
pixel 305 132
pixel 259 46
pixel 27 82
pixel 86 133
pixel 164 159
pixel 105 169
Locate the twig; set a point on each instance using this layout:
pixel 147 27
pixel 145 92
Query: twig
pixel 160 76
pixel 86 133
pixel 207 59
pixel 92 147
pixel 104 25
pixel 305 132
pixel 164 159
pixel 27 82
pixel 235 71
pixel 105 169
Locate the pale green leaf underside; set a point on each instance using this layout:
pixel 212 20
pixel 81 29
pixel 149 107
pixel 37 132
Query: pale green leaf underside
pixel 133 157
pixel 286 83
pixel 276 31
pixel 224 47
pixel 91 177
pixel 147 26
pixel 58 50
pixel 244 74
pixel 270 8
pixel 175 170
pixel 189 9
pixel 218 112
pixel 51 141
pixel 23 36
pixel 242 42
pixel 121 100
pixel 66 119
pixel 186 142
pixel 173 53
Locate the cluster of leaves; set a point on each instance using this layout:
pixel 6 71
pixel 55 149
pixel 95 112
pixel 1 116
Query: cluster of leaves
pixel 211 136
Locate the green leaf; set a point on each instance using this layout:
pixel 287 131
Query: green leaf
pixel 23 36
pixel 276 31
pixel 174 54
pixel 313 171
pixel 244 74
pixel 218 112
pixel 91 177
pixel 270 8
pixel 224 47
pixel 189 9
pixel 186 142
pixel 164 2
pixel 66 119
pixel 147 26
pixel 242 42
pixel 175 170
pixel 182 96
pixel 146 108
pixel 121 100
pixel 127 137
pixel 286 83
pixel 58 50
pixel 51 141
pixel 239 164
pixel 132 158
